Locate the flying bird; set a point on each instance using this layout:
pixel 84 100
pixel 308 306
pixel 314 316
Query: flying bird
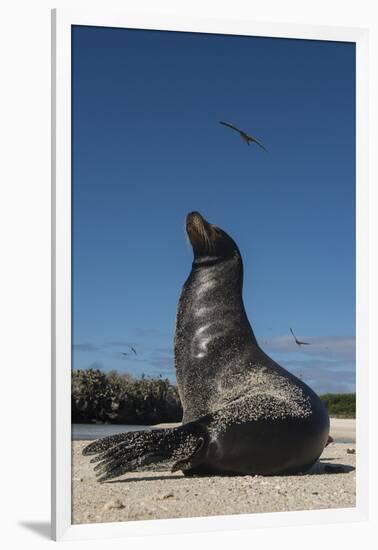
pixel 125 354
pixel 298 342
pixel 245 137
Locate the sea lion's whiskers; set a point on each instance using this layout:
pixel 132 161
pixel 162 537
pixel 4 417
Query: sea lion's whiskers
pixel 212 246
pixel 206 239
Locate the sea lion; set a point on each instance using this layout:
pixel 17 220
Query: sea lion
pixel 243 413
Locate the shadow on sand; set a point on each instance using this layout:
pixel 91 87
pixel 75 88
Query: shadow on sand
pixel 320 468
pixel 145 478
pixel 326 468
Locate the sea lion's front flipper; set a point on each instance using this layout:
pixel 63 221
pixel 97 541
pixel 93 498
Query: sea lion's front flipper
pixel 116 455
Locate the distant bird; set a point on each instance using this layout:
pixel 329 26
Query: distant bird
pixel 298 342
pixel 125 354
pixel 245 137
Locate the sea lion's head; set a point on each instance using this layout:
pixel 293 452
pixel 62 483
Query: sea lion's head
pixel 209 242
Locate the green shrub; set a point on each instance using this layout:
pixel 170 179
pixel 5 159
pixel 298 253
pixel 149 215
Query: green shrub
pixel 122 399
pixel 340 405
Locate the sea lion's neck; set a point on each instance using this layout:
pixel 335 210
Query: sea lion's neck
pixel 213 336
pixel 209 278
pixel 211 306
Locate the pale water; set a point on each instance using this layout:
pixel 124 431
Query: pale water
pixel 96 431
pixel 89 432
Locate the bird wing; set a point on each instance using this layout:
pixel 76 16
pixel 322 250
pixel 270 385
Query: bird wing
pixel 304 343
pixel 230 126
pixel 257 141
pixel 295 338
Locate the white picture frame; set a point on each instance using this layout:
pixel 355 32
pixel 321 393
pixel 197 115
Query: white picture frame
pixel 62 20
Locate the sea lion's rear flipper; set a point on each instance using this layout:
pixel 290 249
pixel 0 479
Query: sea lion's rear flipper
pixel 121 453
pixel 191 460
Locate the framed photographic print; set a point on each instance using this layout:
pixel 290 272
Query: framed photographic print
pixel 209 264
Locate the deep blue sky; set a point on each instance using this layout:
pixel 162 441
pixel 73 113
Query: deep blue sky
pixel 148 148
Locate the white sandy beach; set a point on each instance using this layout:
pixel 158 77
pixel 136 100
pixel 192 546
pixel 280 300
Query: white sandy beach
pixel 154 495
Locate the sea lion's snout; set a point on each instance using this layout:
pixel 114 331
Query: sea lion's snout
pixel 198 230
pixel 195 222
pixel 208 239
